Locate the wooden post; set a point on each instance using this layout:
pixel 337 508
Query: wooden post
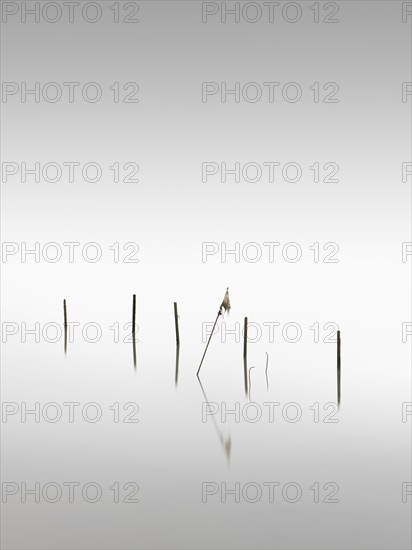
pixel 338 362
pixel 134 330
pixel 65 325
pixel 177 342
pixel 245 354
pixel 176 323
pixel 208 342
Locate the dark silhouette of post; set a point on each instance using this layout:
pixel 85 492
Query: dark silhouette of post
pixel 65 325
pixel 245 355
pixel 134 330
pixel 208 342
pixel 177 342
pixel 176 324
pixel 224 306
pixel 338 362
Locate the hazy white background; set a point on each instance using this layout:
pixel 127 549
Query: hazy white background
pixel 169 133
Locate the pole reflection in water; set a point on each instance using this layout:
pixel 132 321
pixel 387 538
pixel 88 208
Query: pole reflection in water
pixel 250 384
pixel 226 443
pixel 177 364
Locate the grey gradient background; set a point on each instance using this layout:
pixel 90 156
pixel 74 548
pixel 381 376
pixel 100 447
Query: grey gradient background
pixel 169 213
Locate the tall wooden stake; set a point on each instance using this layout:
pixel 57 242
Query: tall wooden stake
pixel 134 330
pixel 338 364
pixel 177 342
pixel 65 325
pixel 176 323
pixel 245 354
pixel 208 342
